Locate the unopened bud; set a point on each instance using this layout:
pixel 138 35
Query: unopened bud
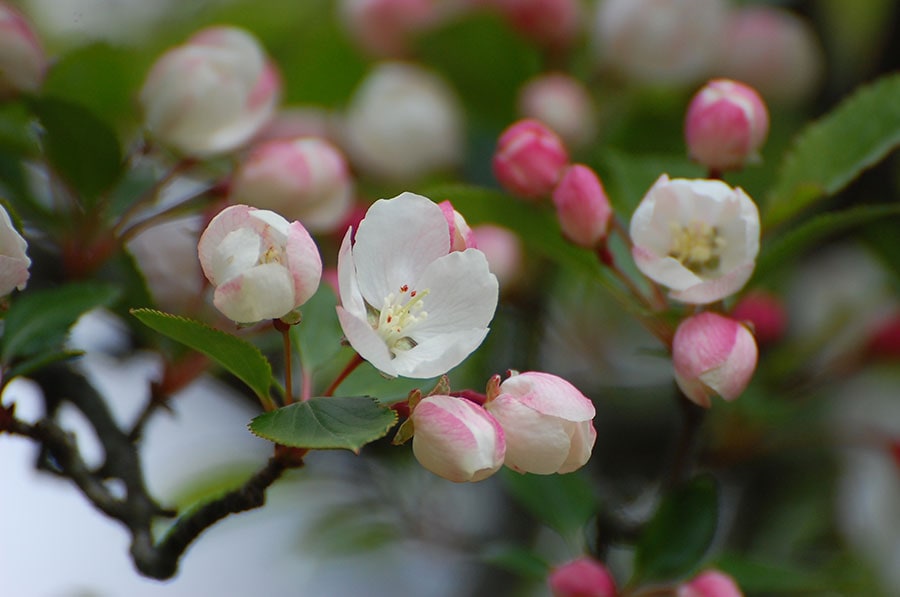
pixel 529 159
pixel 552 23
pixel 765 312
pixel 504 253
pixel 726 124
pixel 564 104
pixel 22 59
pixel 582 206
pixel 304 179
pixel 713 355
pixel 584 577
pixel 457 439
pixel 711 583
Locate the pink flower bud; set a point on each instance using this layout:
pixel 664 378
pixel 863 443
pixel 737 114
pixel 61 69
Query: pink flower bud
pixel 548 423
pixel 774 51
pixel 582 207
pixel 261 266
pixel 553 23
pixel 461 237
pixel 304 179
pixel 529 159
pixel 211 94
pixel 713 355
pixel 564 104
pixel 457 439
pixel 584 577
pixel 884 341
pixel 14 262
pixel 765 312
pixel 504 253
pixel 22 59
pixel 711 583
pixel 726 124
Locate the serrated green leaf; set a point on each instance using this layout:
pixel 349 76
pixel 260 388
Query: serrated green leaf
pixel 806 235
pixel 832 152
pixel 39 321
pixel 677 537
pixel 325 423
pixel 82 149
pixel 237 356
pixel 563 502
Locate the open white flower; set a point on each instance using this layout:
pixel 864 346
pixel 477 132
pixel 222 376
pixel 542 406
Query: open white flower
pixel 408 305
pixel 699 238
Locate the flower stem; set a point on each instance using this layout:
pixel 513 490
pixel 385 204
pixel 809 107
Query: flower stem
pixel 288 380
pixel 355 362
pixel 153 192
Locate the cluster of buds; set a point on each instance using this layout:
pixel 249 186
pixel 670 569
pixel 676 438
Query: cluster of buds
pixel 532 162
pixel 587 577
pixel 532 422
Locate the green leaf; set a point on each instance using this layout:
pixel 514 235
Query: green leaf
pixel 518 560
pixel 628 177
pixel 318 335
pixel 39 361
pixel 830 153
pixel 779 251
pixel 82 149
pixel 677 537
pixel 562 502
pixel 100 77
pixel 324 423
pixel 39 321
pixel 237 356
pixel 755 576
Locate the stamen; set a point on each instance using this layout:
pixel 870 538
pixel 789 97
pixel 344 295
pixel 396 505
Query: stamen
pixel 395 320
pixel 698 246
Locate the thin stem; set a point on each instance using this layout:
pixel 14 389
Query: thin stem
pixel 134 229
pixel 659 300
pixel 692 417
pixel 152 193
pixel 288 379
pixel 355 362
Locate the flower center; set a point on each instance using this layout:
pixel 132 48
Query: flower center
pixel 697 246
pixel 398 316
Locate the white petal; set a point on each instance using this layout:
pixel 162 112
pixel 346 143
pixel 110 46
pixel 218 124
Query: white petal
pixel 262 292
pixel 237 253
pixel 462 294
pixel 535 443
pixel 366 342
pixel 665 270
pixel 395 242
pixel 437 355
pixel 351 299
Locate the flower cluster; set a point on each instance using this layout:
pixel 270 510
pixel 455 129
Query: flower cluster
pixel 532 422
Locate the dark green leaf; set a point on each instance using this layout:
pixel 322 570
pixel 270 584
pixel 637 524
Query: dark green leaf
pixel 518 560
pixel 82 149
pixel 833 151
pixel 17 135
pixel 779 251
pixel 102 78
pixel 562 502
pixel 677 537
pixel 326 423
pixel 39 321
pixel 755 576
pixel 32 364
pixel 237 356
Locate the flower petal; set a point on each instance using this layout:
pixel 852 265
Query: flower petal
pixel 351 299
pixel 535 443
pixel 549 394
pixel 437 355
pixel 463 294
pixel 367 342
pixel 395 242
pixel 303 262
pixel 262 292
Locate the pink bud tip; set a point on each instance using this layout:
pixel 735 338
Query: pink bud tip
pixel 582 206
pixel 529 159
pixel 765 313
pixel 584 577
pixel 726 124
pixel 711 583
pixel 713 355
